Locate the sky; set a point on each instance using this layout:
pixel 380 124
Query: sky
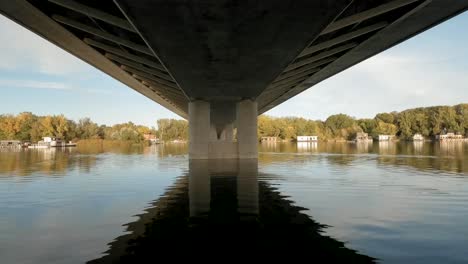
pixel 429 69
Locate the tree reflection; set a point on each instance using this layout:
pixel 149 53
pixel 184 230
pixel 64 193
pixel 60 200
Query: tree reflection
pixel 58 161
pixel 51 161
pixel 444 156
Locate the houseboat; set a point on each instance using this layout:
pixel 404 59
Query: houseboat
pixel 269 139
pixel 48 142
pixel 152 139
pixel 385 137
pixel 450 137
pixel 40 145
pixel 307 138
pixel 418 137
pixel 362 137
pixel 10 144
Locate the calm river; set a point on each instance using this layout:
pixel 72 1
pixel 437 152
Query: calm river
pixel 387 203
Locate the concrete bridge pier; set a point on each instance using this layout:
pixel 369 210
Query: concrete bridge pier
pixel 211 129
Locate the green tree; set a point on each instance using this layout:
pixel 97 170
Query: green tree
pixel 338 123
pixel 385 117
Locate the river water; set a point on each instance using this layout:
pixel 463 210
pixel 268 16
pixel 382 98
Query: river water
pixel 376 202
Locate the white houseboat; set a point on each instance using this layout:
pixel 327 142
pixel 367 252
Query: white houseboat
pixel 385 137
pixel 307 138
pixel 269 139
pixel 48 142
pixel 10 144
pixel 362 137
pixel 418 137
pixel 450 137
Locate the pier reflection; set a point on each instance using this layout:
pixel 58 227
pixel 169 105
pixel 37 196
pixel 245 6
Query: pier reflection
pixel 221 208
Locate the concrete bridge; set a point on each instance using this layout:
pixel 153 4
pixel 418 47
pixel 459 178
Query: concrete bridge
pixel 220 63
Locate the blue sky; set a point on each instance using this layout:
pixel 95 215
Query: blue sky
pixel 429 69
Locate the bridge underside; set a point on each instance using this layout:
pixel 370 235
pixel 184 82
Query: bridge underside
pixel 222 59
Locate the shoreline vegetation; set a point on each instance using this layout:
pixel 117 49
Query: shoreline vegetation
pixel 426 121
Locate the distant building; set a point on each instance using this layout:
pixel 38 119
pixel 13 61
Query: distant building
pixel 177 141
pixel 385 137
pixel 149 136
pixel 269 139
pixel 10 143
pixel 361 136
pixel 53 142
pixel 307 138
pixel 418 137
pixel 449 136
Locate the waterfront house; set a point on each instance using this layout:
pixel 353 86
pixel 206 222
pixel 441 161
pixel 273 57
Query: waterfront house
pixel 149 136
pixel 269 139
pixel 10 143
pixel 385 137
pixel 307 138
pixel 47 142
pixel 418 137
pixel 361 136
pixel 449 136
pixel 54 142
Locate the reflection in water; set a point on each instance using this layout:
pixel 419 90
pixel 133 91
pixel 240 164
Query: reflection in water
pixel 223 208
pixel 407 205
pixel 426 156
pixel 363 146
pixel 57 161
pixel 387 148
pixel 127 147
pixel 307 146
pixel 445 156
pixel 451 148
pixel 51 161
pixel 418 147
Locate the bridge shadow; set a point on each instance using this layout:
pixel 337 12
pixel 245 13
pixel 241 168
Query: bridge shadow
pixel 221 209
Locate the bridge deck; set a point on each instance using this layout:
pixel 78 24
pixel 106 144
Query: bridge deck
pixel 176 51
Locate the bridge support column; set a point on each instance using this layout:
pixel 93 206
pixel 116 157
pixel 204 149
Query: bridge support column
pixel 199 129
pixel 211 129
pixel 247 129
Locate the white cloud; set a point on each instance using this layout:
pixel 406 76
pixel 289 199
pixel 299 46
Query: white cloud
pixel 97 91
pixel 384 83
pixel 13 83
pixel 34 84
pixel 429 69
pixel 22 49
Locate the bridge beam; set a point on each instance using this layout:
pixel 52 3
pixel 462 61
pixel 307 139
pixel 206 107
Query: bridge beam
pixel 211 129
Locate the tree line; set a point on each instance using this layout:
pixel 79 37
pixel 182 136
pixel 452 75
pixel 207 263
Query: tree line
pixel 427 121
pixel 30 127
